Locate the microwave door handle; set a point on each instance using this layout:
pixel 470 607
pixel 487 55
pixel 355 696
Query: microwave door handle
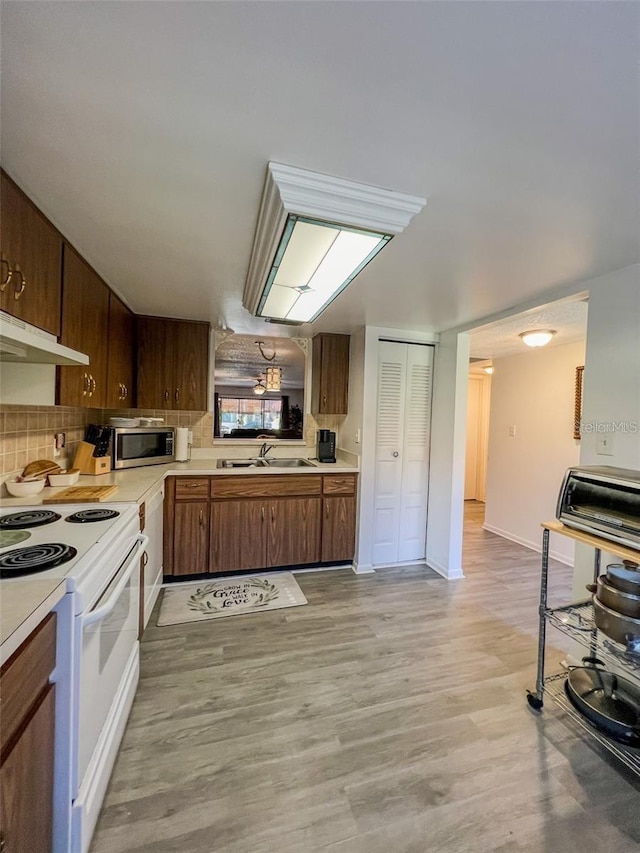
pixel 104 610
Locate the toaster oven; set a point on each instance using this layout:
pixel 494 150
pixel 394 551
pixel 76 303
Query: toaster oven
pixel 603 501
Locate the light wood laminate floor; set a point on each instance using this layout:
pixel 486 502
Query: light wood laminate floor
pixel 387 716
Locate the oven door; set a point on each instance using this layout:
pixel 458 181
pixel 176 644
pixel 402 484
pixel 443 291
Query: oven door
pixel 109 639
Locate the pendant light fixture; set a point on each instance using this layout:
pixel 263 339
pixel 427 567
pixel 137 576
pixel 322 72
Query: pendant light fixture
pixel 259 388
pixel 273 378
pixel 537 337
pixel 315 233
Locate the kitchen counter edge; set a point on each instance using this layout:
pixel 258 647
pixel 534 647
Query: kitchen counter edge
pixel 23 606
pixel 136 485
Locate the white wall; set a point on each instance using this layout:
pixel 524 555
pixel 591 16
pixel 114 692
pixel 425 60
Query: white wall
pixel 351 426
pixel 446 469
pixel 611 397
pixel 533 391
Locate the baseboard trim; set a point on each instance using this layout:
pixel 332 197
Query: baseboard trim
pixel 447 574
pixel 526 543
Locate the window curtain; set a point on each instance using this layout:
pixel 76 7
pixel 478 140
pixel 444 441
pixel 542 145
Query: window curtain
pixel 216 415
pixel 285 416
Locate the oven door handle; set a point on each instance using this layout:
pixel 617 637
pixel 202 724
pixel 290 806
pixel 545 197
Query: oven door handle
pixel 101 612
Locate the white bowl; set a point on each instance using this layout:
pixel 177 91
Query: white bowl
pixel 26 489
pixel 65 478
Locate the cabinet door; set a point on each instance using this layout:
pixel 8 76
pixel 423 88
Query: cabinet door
pixel 26 783
pixel 85 327
pixel 338 529
pixel 237 535
pixel 293 531
pixel 32 250
pixel 120 390
pixel 190 366
pixel 191 538
pixel 330 374
pixel 155 358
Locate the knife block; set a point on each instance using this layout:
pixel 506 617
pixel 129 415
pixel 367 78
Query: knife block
pixel 88 463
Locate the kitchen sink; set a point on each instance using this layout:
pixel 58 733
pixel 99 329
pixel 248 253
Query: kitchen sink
pixel 241 463
pixel 288 463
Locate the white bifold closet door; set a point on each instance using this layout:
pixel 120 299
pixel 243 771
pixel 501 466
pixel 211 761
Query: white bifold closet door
pixel 405 373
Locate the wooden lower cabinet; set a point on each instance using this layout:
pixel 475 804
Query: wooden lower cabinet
pixel 292 529
pixel 26 783
pixel 27 744
pixel 338 529
pixel 237 536
pixel 191 538
pixel 251 522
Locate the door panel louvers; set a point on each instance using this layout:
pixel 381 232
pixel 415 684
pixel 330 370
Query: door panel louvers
pixel 419 405
pixel 389 402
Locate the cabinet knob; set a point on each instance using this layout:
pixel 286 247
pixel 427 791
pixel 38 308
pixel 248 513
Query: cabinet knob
pixel 176 396
pixel 262 512
pixel 85 384
pixel 395 454
pixel 125 392
pixel 166 395
pixel 19 288
pixel 6 278
pixel 145 558
pixel 326 509
pixel 201 518
pixel 324 401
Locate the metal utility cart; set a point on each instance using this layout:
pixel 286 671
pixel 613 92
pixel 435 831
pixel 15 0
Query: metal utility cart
pixel 577 622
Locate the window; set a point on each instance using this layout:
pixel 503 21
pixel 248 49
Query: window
pixel 237 413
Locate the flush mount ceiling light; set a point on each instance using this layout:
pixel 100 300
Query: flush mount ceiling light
pixel 537 337
pixel 315 233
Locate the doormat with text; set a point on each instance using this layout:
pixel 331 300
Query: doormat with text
pixel 194 602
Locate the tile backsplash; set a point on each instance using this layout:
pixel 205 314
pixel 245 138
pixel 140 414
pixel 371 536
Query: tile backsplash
pixel 28 432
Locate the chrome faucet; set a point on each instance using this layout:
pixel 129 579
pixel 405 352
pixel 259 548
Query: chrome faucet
pixel 264 450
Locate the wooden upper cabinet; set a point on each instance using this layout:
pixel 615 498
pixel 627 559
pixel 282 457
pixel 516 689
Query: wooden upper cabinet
pixel 31 253
pixel 121 352
pixel 191 365
pixel 173 364
pixel 330 374
pixel 155 358
pixel 85 327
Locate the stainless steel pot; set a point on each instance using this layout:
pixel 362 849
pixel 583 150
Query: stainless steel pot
pixel 621 602
pixel 609 702
pixel 624 576
pixel 613 624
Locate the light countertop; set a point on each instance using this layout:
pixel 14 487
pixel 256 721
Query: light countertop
pixel 23 606
pixel 139 484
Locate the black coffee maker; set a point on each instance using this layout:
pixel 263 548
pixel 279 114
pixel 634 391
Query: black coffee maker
pixel 326 448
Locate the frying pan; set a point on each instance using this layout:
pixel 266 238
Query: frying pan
pixel 608 701
pixel 621 602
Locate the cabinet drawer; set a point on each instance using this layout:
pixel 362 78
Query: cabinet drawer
pixel 339 484
pixel 266 487
pixel 191 487
pixel 25 674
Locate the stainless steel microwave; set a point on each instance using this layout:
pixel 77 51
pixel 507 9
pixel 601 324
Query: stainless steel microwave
pixel 132 447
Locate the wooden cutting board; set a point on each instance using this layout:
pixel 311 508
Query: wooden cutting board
pixel 81 494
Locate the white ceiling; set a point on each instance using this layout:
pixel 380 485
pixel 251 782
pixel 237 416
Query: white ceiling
pixel 567 318
pixel 144 130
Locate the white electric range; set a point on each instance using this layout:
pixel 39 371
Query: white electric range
pixel 96 549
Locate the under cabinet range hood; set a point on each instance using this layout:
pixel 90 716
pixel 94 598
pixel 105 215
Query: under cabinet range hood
pixel 24 344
